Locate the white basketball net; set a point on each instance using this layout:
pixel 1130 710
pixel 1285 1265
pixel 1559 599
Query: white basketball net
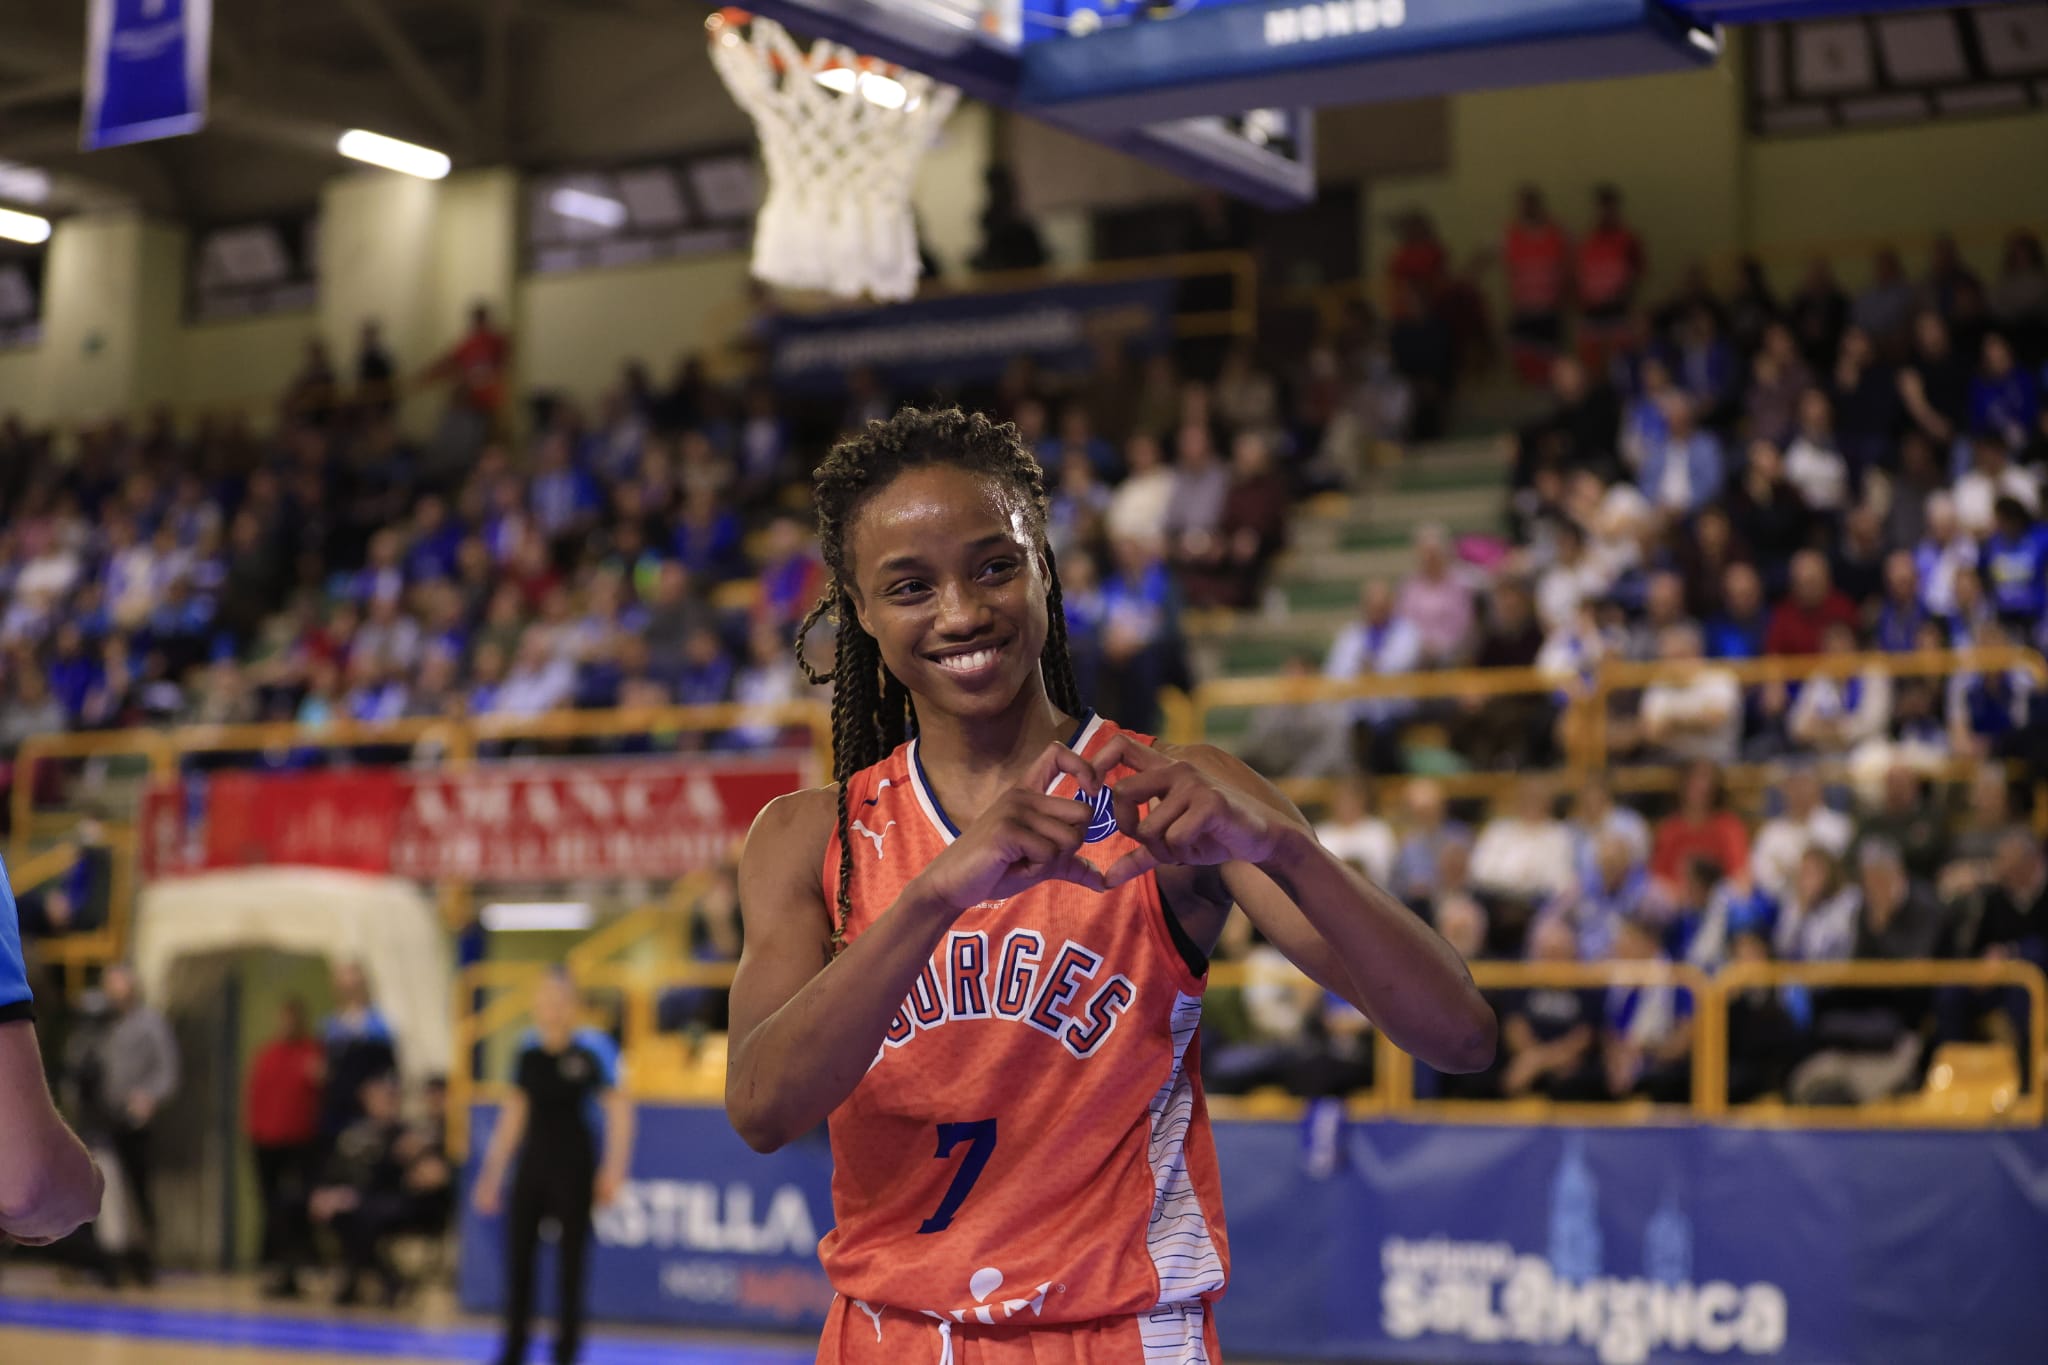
pixel 841 156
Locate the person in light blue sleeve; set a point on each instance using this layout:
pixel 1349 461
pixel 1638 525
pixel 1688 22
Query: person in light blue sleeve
pixel 49 1186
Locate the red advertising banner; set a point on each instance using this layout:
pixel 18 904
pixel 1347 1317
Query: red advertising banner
pixel 501 822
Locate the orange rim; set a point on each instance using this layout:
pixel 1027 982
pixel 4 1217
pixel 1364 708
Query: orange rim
pixel 733 17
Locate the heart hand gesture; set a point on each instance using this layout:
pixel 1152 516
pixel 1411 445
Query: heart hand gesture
pixel 1024 838
pixel 1194 820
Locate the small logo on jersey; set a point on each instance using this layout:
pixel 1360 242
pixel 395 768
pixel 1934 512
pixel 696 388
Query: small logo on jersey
pixel 573 1067
pixel 880 787
pixel 1103 812
pixel 865 832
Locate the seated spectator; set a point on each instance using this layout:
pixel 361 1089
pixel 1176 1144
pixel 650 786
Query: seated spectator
pixel 1619 888
pixel 1644 424
pixel 2005 401
pixel 1810 607
pixel 1946 551
pixel 1704 365
pixel 1663 609
pixel 1580 432
pixel 1377 644
pixel 1857 564
pixel 1683 472
pixel 1701 827
pixel 2019 296
pixel 538 682
pixel 1574 577
pixel 707 539
pixel 1818 912
pixel 1867 409
pixel 1356 835
pixel 1778 383
pixel 1738 631
pixel 1934 383
pixel 713 935
pixel 1525 852
pixel 1770 517
pixel 1595 816
pixel 768 680
pixel 1899 613
pixel 1767 1028
pixel 2006 919
pixel 1885 308
pixel 1076 506
pixel 361 1193
pixel 2015 568
pixel 1436 601
pixel 791 575
pixel 1993 476
pixel 1426 830
pixel 1818 313
pixel 1646 1035
pixel 1806 821
pixel 1288 739
pixel 1814 464
pixel 1548 1034
pixel 1201 487
pixel 1254 528
pixel 1505 730
pixel 1835 716
pixel 1142 647
pixel 1698 718
pixel 1986 710
pixel 1868 1042
pixel 1137 510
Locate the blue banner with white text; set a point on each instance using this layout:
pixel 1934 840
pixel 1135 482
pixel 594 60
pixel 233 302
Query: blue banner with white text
pixel 145 70
pixel 968 338
pixel 1440 1244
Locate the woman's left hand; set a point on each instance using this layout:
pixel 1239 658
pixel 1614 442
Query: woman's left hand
pixel 1194 820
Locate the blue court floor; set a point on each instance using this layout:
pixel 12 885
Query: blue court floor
pixel 280 1337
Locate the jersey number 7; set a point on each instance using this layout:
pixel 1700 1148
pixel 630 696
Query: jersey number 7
pixel 980 1137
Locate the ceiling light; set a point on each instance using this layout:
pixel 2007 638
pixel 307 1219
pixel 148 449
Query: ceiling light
pixel 588 207
pixel 23 184
pixel 24 227
pixel 508 916
pixel 393 155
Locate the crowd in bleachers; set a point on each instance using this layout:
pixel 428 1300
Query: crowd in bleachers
pixel 1717 477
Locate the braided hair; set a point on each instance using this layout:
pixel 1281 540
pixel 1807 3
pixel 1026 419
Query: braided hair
pixel 871 708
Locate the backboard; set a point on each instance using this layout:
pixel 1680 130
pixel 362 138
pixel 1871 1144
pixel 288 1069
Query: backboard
pixel 1222 91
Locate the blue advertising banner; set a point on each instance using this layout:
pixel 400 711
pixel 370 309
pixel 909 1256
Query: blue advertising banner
pixel 145 70
pixel 1468 1244
pixel 969 337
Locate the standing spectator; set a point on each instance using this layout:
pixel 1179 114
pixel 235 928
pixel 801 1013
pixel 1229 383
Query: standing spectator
pixel 1610 265
pixel 1818 313
pixel 1701 827
pixel 358 1043
pixel 569 1128
pixel 2019 296
pixel 1538 257
pixel 138 1066
pixel 1377 644
pixel 282 1113
pixel 1814 463
pixel 376 395
pixel 1884 310
pixel 476 368
pixel 1814 604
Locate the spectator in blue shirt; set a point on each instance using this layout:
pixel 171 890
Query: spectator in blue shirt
pixel 707 539
pixel 2015 560
pixel 1738 632
pixel 1899 612
pixel 2003 397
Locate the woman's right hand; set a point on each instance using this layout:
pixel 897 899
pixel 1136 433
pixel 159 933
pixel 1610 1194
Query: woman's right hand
pixel 1024 838
pixel 488 1196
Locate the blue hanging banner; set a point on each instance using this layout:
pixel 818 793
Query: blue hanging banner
pixel 145 70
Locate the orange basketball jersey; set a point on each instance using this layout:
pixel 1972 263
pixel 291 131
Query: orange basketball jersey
pixel 1030 1144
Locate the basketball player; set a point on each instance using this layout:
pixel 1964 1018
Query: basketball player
pixel 980 954
pixel 48 1184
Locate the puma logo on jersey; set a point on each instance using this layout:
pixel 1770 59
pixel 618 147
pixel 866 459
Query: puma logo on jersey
pixel 866 833
pixel 880 787
pixel 1020 982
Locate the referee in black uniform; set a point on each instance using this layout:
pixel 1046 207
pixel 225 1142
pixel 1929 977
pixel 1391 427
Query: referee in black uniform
pixel 571 1129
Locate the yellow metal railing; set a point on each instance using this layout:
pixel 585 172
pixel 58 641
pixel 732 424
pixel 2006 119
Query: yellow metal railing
pixel 672 1068
pixel 1187 717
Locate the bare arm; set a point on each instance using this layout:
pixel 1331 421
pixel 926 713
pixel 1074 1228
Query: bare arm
pixel 48 1184
pixel 620 1116
pixel 806 1025
pixel 505 1140
pixel 1320 911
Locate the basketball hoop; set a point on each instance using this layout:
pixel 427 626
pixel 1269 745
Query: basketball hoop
pixel 842 136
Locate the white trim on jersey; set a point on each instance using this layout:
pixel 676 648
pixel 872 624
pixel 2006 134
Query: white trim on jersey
pixel 1183 1253
pixel 929 804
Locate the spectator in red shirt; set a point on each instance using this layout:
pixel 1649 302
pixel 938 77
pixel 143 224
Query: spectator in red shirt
pixel 1814 604
pixel 476 368
pixel 283 1120
pixel 1420 265
pixel 1610 270
pixel 1538 254
pixel 1701 827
